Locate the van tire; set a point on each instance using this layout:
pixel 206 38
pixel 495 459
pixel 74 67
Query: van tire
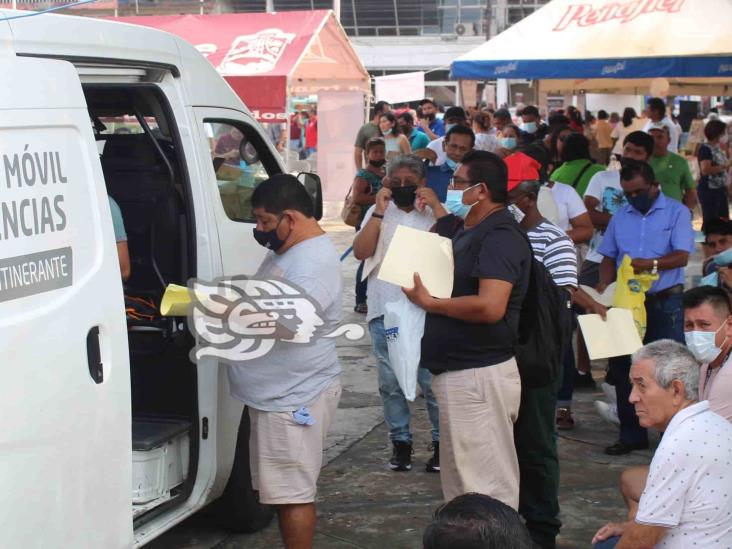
pixel 238 509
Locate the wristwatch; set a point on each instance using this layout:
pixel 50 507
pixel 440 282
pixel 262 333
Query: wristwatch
pixel 655 267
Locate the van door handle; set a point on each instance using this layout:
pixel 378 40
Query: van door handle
pixel 94 355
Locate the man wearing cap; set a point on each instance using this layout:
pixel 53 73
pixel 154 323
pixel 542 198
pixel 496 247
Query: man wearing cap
pixel 534 430
pixel 429 123
pixel 536 446
pixel 671 169
pixel 657 115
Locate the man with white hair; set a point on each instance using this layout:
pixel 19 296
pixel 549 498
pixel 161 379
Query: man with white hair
pixel 688 497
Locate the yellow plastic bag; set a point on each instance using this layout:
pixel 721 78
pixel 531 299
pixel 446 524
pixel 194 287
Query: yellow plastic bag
pixel 630 293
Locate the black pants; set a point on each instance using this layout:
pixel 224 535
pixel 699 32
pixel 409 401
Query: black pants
pixel 665 320
pixel 714 203
pixel 536 447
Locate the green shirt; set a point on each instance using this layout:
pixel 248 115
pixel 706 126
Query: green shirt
pixel 672 172
pixel 367 131
pixel 567 173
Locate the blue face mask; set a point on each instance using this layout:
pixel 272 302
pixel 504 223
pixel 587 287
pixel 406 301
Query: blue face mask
pixel 711 279
pixel 451 164
pixel 724 259
pixel 641 202
pixel 508 142
pixel 454 203
pixel 529 127
pixel 448 127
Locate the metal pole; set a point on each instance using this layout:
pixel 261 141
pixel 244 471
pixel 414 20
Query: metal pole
pixel 137 8
pixel 269 6
pixel 337 9
pixel 15 4
pixel 487 19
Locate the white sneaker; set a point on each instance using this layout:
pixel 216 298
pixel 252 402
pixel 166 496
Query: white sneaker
pixel 608 412
pixel 610 395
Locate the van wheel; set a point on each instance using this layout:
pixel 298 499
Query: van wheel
pixel 238 509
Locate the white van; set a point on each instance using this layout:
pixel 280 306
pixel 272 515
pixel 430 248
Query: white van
pixel 110 434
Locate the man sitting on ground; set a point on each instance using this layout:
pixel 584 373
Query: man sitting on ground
pixel 687 500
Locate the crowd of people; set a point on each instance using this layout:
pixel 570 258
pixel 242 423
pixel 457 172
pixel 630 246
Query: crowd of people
pixel 536 218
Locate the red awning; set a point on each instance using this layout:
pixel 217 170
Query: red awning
pixel 267 46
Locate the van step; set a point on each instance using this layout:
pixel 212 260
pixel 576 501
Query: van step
pixel 150 433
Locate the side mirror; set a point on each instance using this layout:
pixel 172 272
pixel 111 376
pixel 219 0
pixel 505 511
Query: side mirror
pixel 247 152
pixel 313 186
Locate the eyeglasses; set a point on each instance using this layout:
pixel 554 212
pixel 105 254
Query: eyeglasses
pixel 459 182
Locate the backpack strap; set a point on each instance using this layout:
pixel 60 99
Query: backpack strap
pixel 581 173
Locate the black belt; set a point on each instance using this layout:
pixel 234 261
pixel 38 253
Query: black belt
pixel 668 292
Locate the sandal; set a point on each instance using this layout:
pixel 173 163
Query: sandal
pixel 361 308
pixel 565 422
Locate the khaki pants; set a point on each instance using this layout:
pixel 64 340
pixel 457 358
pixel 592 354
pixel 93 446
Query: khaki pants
pixel 478 408
pixel 285 457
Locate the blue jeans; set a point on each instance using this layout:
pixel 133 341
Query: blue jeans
pixel 396 407
pixel 609 543
pixel 665 320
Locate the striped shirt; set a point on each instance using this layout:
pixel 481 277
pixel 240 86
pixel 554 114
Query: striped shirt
pixel 556 251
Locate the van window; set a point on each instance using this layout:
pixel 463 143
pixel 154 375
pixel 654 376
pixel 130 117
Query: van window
pixel 239 156
pixel 125 124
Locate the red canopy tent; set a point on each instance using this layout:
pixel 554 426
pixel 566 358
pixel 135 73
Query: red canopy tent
pixel 266 56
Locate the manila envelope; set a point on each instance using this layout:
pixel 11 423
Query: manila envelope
pixel 414 251
pixel 617 336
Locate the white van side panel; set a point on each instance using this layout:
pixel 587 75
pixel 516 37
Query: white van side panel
pixel 6 40
pixel 65 445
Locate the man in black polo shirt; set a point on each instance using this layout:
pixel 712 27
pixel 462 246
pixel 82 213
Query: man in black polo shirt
pixel 468 338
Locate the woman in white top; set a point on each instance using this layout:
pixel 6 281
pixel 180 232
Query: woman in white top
pixel 629 123
pixel 485 140
pixel 395 141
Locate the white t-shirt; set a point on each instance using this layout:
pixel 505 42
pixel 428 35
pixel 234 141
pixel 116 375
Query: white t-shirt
pixel 673 144
pixel 605 187
pixel 436 145
pixel 380 293
pixel 689 486
pixel 486 142
pixel 621 132
pixel 569 204
pixel 292 374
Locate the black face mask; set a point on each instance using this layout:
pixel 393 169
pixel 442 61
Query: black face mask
pixel 404 197
pixel 377 163
pixel 430 116
pixel 269 239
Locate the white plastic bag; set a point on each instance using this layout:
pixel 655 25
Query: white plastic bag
pixel 404 325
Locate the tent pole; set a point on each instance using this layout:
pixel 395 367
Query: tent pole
pixel 337 9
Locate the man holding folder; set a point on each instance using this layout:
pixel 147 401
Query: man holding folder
pixel 656 233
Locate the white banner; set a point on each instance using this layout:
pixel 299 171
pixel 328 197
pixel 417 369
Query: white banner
pixel 400 88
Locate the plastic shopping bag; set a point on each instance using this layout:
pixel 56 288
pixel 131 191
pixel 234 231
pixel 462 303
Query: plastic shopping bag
pixel 404 325
pixel 630 293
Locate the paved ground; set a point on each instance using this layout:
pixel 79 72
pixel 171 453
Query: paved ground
pixel 363 504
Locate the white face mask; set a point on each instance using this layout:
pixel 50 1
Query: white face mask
pixel 517 213
pixel 702 344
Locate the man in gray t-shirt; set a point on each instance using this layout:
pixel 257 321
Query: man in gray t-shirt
pixel 292 392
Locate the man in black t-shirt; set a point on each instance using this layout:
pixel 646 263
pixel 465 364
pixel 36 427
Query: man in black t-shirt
pixel 468 339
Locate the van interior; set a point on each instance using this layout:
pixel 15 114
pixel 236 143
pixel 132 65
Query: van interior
pixel 145 174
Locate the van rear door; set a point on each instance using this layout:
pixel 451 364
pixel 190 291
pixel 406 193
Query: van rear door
pixel 65 442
